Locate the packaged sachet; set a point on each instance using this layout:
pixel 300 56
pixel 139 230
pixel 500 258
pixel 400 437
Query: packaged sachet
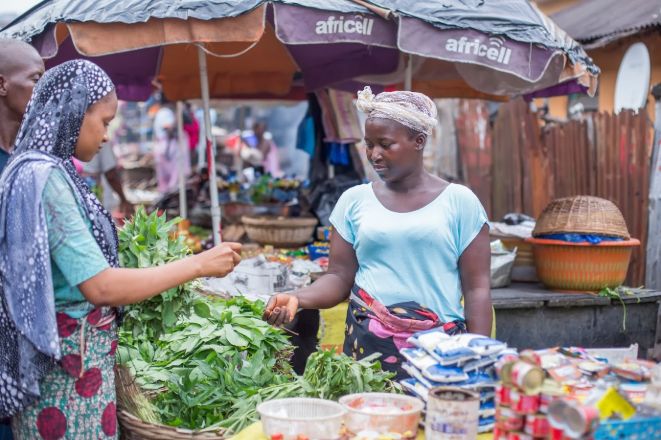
pixel 418 357
pixel 416 374
pixel 481 345
pixel 428 339
pixel 416 388
pixel 486 424
pixel 480 363
pixel 444 374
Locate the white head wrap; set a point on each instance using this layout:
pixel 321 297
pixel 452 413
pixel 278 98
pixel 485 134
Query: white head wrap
pixel 414 110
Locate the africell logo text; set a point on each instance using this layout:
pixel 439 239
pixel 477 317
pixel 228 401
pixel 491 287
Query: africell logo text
pixel 494 51
pixel 334 25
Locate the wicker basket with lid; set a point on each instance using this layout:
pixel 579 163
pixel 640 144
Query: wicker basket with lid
pixel 582 215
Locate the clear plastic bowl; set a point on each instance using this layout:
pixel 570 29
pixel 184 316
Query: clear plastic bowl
pixel 317 419
pixel 383 413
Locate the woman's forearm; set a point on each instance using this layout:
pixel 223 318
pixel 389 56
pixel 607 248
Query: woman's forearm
pixel 116 287
pixel 325 293
pixel 478 311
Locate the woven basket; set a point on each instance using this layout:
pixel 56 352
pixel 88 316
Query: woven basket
pixel 582 267
pixel 280 231
pixel 582 215
pixel 132 428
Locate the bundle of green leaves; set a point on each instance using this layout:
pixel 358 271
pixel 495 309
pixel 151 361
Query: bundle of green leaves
pixel 146 241
pixel 220 353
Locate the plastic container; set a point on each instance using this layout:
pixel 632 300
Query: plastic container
pixel 316 419
pixel 382 413
pixel 453 414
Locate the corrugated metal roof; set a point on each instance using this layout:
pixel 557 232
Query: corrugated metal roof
pixel 596 23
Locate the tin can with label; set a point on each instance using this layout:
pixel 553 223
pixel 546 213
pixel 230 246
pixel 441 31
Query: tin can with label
pixel 503 395
pixel 522 404
pixel 556 433
pixel 504 368
pixel 537 426
pixel 508 420
pixel 527 377
pixel 452 414
pixel 576 420
pixel 544 400
pixel 531 356
pixel 499 434
pixel 519 436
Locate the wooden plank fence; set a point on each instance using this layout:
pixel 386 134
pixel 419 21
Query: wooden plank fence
pixel 603 155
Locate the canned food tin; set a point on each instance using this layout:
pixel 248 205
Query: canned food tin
pixel 527 377
pixel 503 395
pixel 544 400
pixel 522 404
pixel 508 420
pixel 576 419
pixel 504 368
pixel 556 433
pixel 537 426
pixel 499 434
pixel 519 436
pixel 531 356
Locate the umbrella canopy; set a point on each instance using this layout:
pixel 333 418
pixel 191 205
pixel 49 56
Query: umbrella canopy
pixel 486 49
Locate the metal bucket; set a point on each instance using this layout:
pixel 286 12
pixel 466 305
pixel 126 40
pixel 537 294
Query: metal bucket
pixel 452 414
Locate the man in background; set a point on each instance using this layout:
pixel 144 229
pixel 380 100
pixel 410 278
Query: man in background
pixel 20 69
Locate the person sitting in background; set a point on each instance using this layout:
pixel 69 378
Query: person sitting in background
pixel 105 172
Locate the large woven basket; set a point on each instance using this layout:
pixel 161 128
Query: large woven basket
pixel 132 428
pixel 582 267
pixel 582 215
pixel 280 231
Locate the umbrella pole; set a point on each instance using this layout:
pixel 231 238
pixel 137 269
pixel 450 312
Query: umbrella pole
pixel 183 207
pixel 408 75
pixel 213 185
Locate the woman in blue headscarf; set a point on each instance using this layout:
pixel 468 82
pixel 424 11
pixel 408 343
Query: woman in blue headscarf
pixel 59 278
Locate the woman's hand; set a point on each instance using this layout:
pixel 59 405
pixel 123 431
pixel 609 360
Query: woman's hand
pixel 281 309
pixel 219 260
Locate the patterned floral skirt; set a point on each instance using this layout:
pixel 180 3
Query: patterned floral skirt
pixel 77 397
pixel 372 327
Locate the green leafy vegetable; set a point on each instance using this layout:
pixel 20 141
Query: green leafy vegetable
pixel 145 241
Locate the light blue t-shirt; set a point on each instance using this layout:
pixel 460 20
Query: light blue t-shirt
pixel 411 256
pixel 75 255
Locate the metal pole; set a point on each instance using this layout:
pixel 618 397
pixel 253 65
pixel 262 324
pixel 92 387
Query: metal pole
pixel 408 75
pixel 213 185
pixel 183 207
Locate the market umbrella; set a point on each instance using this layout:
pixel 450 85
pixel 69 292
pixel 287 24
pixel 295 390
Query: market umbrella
pixel 258 48
pixel 456 48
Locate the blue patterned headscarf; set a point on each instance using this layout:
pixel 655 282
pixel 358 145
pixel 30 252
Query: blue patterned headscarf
pixel 29 342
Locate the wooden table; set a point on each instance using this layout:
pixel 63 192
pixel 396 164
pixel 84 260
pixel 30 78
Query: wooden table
pixel 529 316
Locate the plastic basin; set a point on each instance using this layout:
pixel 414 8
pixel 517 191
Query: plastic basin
pixel 383 413
pixel 316 419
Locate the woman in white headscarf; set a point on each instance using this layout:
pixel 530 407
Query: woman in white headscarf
pixel 406 248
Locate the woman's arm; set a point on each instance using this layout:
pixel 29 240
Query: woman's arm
pixel 117 287
pixel 475 271
pixel 328 291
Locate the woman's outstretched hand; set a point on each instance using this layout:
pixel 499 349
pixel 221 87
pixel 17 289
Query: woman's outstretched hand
pixel 281 309
pixel 219 260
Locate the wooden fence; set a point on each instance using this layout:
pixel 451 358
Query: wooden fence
pixel 604 155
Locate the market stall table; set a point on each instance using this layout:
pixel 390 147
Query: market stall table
pixel 529 316
pixel 254 432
